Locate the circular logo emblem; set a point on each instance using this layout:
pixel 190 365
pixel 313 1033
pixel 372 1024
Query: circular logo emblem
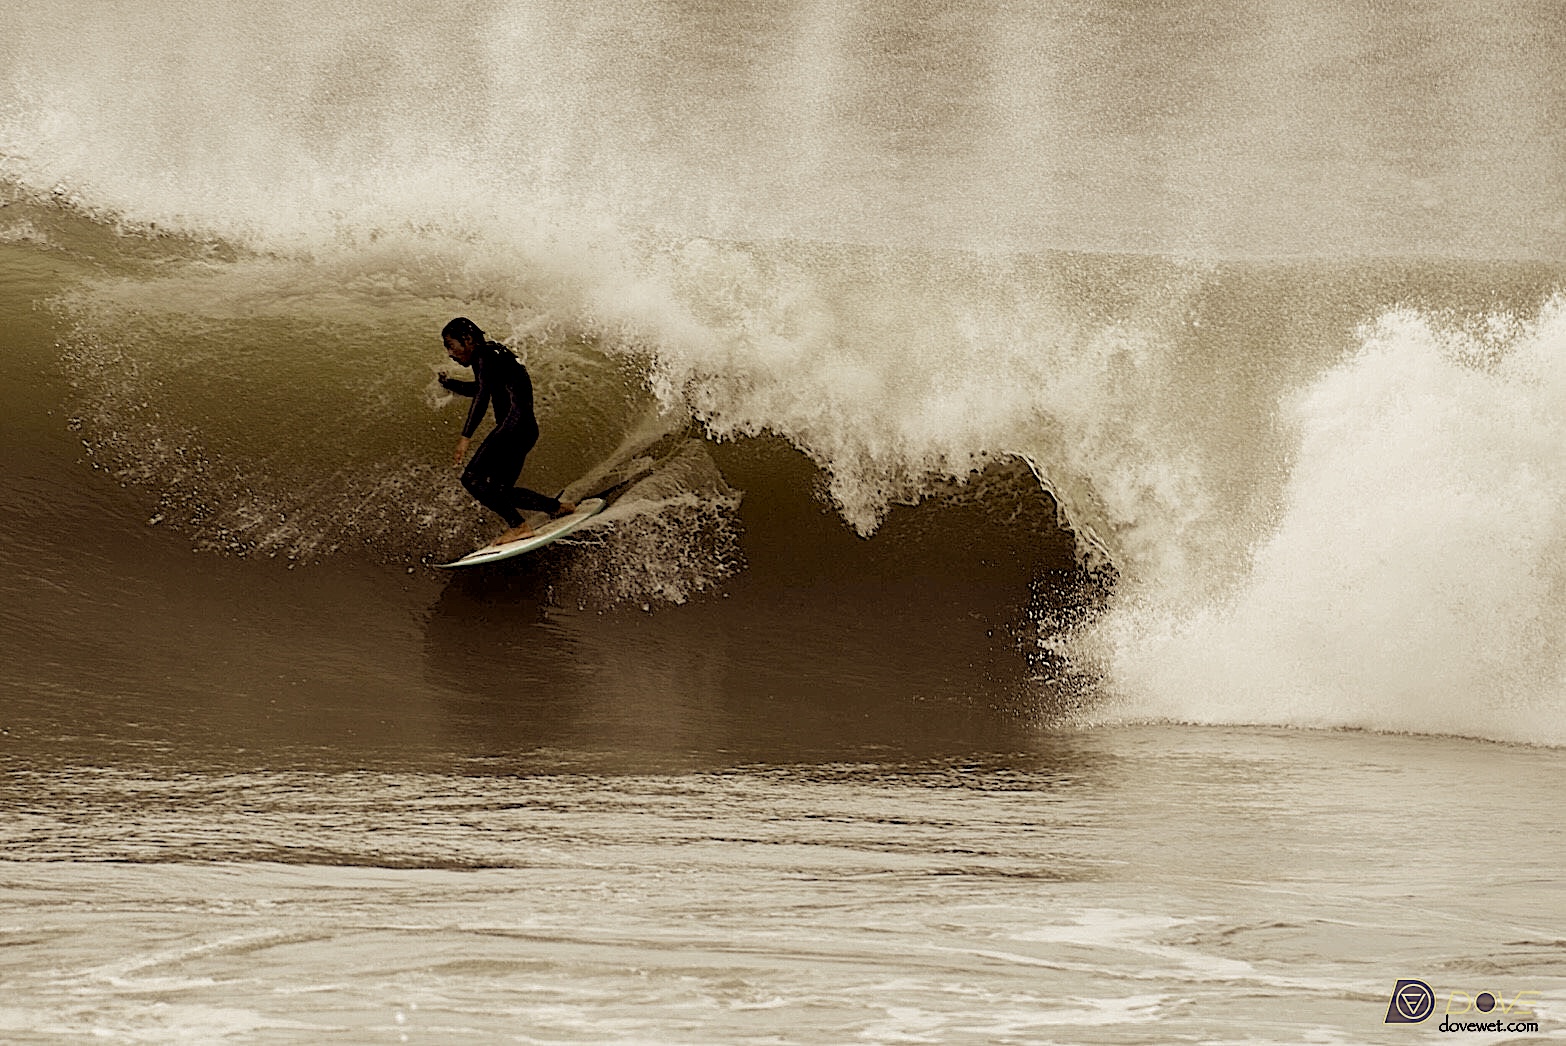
pixel 1414 1000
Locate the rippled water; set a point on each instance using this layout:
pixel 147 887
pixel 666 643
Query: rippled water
pixel 1121 886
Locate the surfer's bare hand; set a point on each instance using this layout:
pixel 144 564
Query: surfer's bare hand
pixel 462 450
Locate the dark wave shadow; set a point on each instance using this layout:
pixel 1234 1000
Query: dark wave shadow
pixel 826 647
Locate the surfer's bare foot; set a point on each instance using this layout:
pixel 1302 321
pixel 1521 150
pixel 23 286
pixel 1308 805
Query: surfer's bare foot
pixel 514 534
pixel 565 509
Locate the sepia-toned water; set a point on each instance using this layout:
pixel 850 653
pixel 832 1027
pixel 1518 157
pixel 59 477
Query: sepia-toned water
pixel 1093 568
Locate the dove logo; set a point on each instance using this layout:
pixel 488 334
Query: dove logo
pixel 1412 1001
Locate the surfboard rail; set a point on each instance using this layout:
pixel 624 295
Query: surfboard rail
pixel 547 534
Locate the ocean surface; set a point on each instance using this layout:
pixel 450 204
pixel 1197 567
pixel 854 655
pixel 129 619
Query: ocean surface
pixel 1093 568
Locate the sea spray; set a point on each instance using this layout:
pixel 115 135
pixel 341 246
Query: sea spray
pixel 1417 578
pixel 974 125
pixel 670 536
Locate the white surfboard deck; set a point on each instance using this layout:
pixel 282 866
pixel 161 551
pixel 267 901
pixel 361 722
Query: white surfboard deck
pixel 552 531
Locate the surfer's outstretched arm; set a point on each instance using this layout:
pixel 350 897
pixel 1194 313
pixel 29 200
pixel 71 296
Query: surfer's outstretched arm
pixel 457 385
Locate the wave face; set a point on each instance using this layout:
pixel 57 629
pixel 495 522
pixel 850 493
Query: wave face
pixel 955 252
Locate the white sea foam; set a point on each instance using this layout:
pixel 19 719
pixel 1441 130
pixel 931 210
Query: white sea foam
pixel 1417 578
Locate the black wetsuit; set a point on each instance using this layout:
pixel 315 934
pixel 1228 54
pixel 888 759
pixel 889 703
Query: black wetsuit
pixel 501 379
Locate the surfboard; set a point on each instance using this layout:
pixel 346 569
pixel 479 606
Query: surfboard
pixel 550 532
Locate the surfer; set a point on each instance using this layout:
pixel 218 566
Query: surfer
pixel 502 380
